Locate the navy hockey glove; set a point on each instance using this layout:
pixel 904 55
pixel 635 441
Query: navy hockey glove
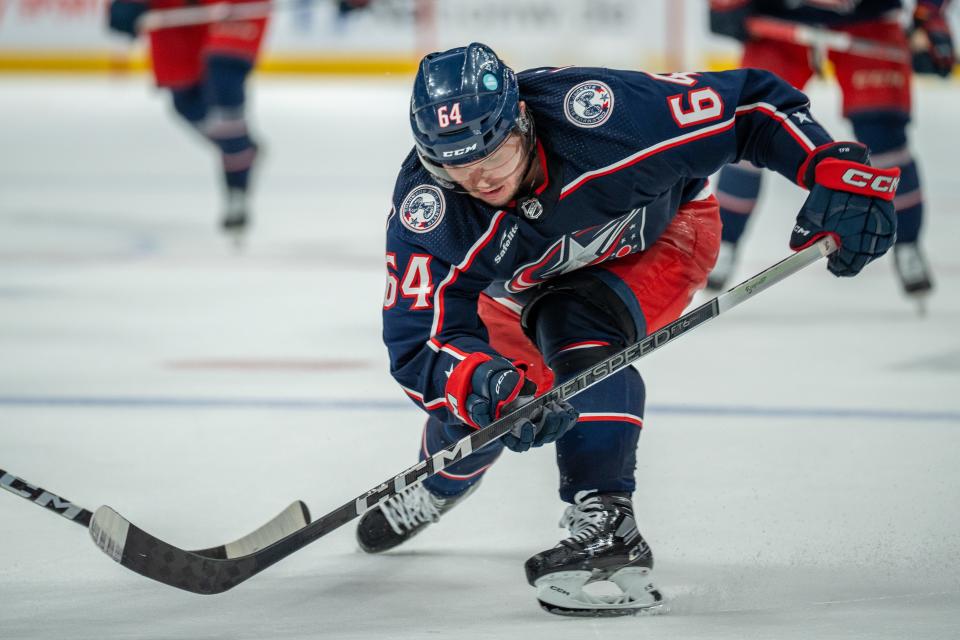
pixel 729 18
pixel 482 388
pixel 851 201
pixel 124 15
pixel 931 41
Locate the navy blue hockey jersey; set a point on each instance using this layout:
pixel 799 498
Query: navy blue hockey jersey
pixel 622 150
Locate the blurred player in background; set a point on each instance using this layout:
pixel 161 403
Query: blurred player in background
pixel 205 67
pixel 548 219
pixel 876 100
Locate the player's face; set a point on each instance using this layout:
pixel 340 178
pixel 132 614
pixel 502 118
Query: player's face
pixel 496 178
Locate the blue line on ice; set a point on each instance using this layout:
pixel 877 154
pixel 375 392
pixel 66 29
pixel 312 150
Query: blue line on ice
pixel 358 404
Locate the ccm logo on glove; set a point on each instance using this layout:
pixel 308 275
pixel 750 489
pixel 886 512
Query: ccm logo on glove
pixel 880 184
pixel 854 177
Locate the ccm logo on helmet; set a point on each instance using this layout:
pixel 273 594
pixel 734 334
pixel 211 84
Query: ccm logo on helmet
pixel 868 180
pixel 459 152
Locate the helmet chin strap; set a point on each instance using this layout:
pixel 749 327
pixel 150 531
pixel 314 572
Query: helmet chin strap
pixel 529 131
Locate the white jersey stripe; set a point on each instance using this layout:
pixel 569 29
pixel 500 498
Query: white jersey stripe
pixel 429 404
pixel 509 304
pixel 457 269
pixel 435 345
pixel 664 144
pixel 688 137
pixel 643 225
pixel 772 111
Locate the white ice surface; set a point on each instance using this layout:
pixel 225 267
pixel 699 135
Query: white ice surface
pixel 798 472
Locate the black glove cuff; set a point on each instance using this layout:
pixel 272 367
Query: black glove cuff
pixel 852 151
pixel 529 388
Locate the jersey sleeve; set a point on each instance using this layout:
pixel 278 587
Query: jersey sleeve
pixel 702 121
pixel 430 314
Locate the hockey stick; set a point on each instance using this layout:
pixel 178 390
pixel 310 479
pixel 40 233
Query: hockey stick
pixel 286 522
pixel 203 14
pixel 42 497
pixel 153 558
pixel 816 37
pixel 158 19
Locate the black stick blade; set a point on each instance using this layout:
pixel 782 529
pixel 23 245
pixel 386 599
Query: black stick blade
pixel 217 571
pixel 295 517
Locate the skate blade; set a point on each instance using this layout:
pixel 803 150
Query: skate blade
pixel 236 233
pixel 919 298
pixel 609 612
pixel 562 593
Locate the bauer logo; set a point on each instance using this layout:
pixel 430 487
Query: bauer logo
pixel 589 104
pixel 422 209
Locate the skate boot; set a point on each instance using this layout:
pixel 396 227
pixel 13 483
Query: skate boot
pixel 403 516
pixel 912 270
pixel 604 545
pixel 717 280
pixel 235 214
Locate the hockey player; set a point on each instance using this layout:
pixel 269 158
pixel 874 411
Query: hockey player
pixel 205 67
pixel 876 100
pixel 547 219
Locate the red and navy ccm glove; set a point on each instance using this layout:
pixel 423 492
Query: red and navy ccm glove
pixel 123 15
pixel 930 40
pixel 482 388
pixel 851 201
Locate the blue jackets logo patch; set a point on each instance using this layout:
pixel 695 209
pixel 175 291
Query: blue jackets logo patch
pixel 422 209
pixel 588 104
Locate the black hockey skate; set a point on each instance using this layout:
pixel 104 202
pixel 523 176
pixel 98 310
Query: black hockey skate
pixel 236 214
pixel 403 516
pixel 604 545
pixel 235 221
pixel 723 269
pixel 913 271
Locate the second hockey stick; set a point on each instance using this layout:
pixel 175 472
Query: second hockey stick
pixel 817 37
pixel 158 19
pixel 153 558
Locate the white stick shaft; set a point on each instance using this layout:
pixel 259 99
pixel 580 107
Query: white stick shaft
pixel 205 14
pixel 820 38
pixel 749 288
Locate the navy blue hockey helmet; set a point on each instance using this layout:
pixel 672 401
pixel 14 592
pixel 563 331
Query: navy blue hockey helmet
pixel 465 103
